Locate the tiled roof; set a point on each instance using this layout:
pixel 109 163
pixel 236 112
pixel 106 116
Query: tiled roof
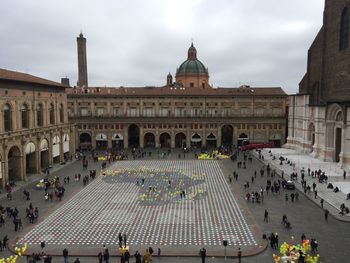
pixel 24 77
pixel 171 91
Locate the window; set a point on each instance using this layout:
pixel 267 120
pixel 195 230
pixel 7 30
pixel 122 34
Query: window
pixel 191 84
pixel 83 111
pixel 133 112
pixel 100 112
pixel 61 113
pixel 52 114
pixel 344 29
pixel 25 116
pixel 39 115
pixel 7 118
pixel 259 111
pixel 148 112
pixel 116 112
pixel 164 112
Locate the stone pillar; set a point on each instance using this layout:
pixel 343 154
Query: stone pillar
pixel 157 137
pixel 93 139
pixel 142 138
pixel 235 135
pixel 172 139
pixel 188 137
pixel 109 134
pixel 126 137
pixel 218 136
pixel 61 148
pixel 204 137
pixel 37 160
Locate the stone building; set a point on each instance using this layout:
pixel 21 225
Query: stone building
pixel 34 128
pixel 319 113
pixel 182 113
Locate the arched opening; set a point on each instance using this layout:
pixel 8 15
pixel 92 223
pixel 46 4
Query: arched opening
pixel 227 135
pixel 196 141
pixel 52 114
pixel 61 113
pixel 25 116
pixel 44 154
pixel 211 140
pixel 66 140
pixel 133 136
pixel 180 140
pixel 275 139
pixel 7 117
pixel 243 139
pixel 164 140
pixel 39 115
pixel 30 158
pixel 14 165
pixel 338 137
pixel 56 149
pixel 149 140
pixel 117 141
pixel 101 142
pixel 85 141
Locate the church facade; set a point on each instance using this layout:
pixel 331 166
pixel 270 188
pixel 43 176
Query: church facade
pixel 320 113
pixel 185 112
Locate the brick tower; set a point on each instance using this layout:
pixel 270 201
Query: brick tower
pixel 82 64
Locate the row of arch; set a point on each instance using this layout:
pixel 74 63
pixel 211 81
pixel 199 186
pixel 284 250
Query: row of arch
pixel 34 157
pixel 164 139
pixel 8 118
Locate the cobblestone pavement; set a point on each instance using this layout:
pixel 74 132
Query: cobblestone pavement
pixel 332 235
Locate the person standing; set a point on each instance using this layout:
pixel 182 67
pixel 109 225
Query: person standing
pixel 326 213
pixel 203 254
pixel 239 255
pixel 124 239
pixel 266 216
pixel 120 238
pixel 106 255
pixel 322 201
pixel 344 174
pixel 65 255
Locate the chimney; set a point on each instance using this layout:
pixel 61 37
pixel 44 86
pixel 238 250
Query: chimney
pixel 65 81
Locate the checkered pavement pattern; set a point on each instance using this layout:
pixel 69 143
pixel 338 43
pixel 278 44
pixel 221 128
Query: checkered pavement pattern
pixel 108 206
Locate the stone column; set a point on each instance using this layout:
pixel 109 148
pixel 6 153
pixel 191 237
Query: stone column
pixel 126 137
pixel 61 148
pixel 218 136
pixel 172 139
pixel 188 137
pixel 142 138
pixel 157 137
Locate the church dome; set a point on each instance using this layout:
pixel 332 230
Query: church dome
pixel 192 65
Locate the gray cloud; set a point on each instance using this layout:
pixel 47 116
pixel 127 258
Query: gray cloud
pixel 136 43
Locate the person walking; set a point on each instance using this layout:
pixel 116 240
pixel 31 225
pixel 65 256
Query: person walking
pixel 266 216
pixel 322 201
pixel 239 255
pixel 315 192
pixel 344 174
pixel 203 254
pixel 106 255
pixel 65 255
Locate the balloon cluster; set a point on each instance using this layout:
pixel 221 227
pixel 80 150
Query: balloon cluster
pixel 290 252
pixel 19 252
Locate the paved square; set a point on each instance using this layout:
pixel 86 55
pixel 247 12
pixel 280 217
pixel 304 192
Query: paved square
pixel 162 202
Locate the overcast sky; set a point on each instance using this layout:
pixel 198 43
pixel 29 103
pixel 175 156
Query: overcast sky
pixel 136 43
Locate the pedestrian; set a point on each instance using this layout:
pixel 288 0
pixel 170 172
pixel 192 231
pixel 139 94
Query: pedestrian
pixel 322 201
pixel 344 174
pixel 266 216
pixel 326 213
pixel 127 256
pixel 203 254
pixel 77 260
pixel 137 257
pixel 120 238
pixel 159 252
pixel 124 239
pixel 100 257
pixel 65 255
pixel 239 255
pixel 303 237
pixel 286 197
pixel 315 192
pixel 106 255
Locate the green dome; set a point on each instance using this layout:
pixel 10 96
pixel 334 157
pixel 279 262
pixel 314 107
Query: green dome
pixel 192 66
